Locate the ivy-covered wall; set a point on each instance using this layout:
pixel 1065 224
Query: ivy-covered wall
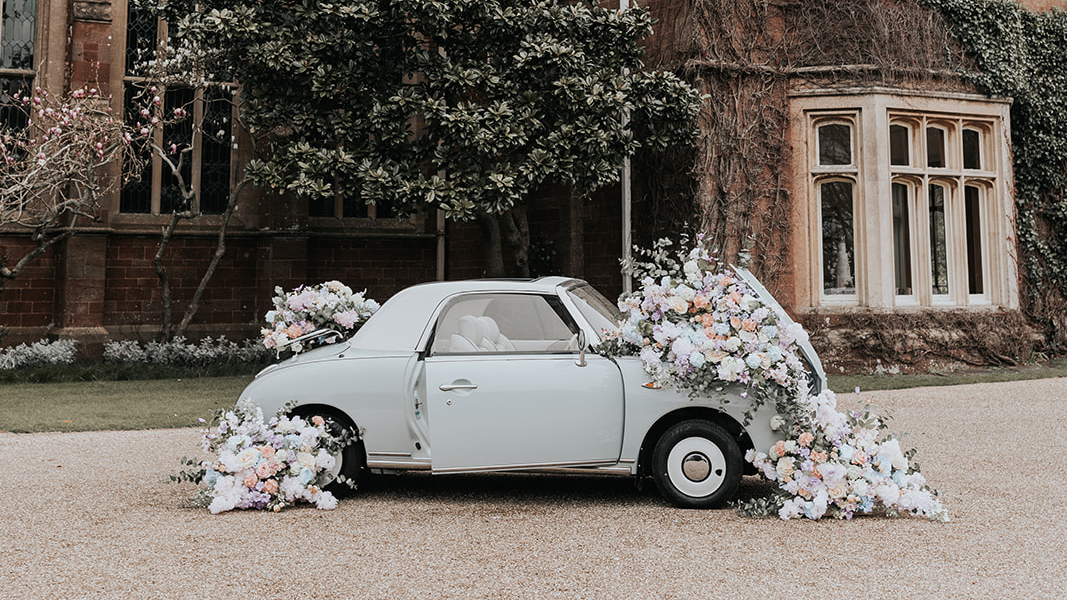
pixel 1023 54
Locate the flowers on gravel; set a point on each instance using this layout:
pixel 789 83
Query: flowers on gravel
pixel 263 465
pixel 699 327
pixel 329 305
pixel 842 464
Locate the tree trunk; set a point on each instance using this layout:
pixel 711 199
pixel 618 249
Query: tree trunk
pixel 517 235
pixel 494 258
pixel 220 251
pixel 575 242
pixel 164 279
pixel 43 243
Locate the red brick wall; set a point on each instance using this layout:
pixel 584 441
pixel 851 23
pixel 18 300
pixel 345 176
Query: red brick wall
pixel 464 251
pixel 127 299
pixel 29 300
pixel 382 266
pixel 134 295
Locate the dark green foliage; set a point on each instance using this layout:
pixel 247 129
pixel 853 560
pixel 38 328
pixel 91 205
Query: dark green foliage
pixel 1023 54
pixel 467 105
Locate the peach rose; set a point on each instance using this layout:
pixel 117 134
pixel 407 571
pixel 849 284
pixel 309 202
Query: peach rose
pixel 270 486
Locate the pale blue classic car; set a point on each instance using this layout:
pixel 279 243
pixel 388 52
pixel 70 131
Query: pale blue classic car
pixel 496 375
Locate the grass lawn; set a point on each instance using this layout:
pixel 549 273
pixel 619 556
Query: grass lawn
pixel 163 403
pixel 847 383
pixel 98 405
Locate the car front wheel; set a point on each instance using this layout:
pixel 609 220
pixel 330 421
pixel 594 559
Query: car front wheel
pixel 349 461
pixel 697 465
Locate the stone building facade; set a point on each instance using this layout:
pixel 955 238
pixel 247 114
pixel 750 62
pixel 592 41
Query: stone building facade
pixel 898 198
pixel 101 283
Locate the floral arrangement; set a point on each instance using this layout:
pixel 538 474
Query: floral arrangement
pixel 265 466
pixel 836 465
pixel 699 327
pixel 330 305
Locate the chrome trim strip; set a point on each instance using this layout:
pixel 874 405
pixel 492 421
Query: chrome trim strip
pixel 404 465
pixel 616 471
pixel 400 454
pixel 588 464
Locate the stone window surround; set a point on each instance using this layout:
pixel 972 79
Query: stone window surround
pixel 873 110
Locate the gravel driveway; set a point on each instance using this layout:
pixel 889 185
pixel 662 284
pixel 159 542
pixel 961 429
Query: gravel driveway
pixel 88 515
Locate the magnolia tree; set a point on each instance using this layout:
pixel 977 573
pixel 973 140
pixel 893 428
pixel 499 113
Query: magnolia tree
pixel 175 156
pixel 53 166
pixel 181 64
pixel 467 106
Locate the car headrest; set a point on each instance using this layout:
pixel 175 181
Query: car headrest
pixel 488 328
pixel 468 327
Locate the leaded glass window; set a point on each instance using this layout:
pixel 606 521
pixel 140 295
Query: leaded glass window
pixel 938 240
pixel 835 144
pixel 838 237
pixel 17 34
pixel 901 239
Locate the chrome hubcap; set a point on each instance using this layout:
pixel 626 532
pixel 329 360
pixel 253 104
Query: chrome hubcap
pixel 696 467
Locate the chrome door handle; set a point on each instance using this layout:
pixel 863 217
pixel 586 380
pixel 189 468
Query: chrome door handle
pixel 448 387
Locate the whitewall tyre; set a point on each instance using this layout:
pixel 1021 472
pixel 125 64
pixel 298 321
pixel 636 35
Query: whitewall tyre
pixel 697 465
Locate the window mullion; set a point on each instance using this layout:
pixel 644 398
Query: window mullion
pixel 196 154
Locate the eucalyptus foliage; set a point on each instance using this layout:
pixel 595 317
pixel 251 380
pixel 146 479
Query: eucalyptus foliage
pixel 1023 54
pixel 467 105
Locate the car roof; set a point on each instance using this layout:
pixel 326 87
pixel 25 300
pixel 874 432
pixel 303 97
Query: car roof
pixel 399 324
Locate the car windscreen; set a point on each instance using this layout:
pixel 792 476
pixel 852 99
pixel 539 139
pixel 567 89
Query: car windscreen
pixel 601 313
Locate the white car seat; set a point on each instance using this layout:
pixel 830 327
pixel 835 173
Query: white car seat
pixel 462 342
pixel 491 338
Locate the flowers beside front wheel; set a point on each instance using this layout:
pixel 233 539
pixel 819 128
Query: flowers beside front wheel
pixel 264 465
pixel 840 464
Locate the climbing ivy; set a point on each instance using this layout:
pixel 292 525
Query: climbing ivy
pixel 1022 54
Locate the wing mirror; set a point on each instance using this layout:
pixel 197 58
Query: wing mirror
pixel 581 348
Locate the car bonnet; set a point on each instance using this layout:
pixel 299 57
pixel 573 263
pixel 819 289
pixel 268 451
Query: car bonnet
pixel 768 299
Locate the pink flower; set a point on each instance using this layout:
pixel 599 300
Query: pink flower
pixel 347 319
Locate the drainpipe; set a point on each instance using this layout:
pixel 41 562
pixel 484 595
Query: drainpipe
pixel 627 239
pixel 440 245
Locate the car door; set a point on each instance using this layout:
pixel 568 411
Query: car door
pixel 505 390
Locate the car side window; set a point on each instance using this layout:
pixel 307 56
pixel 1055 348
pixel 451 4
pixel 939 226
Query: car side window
pixel 505 324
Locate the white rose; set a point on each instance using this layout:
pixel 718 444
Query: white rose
pixel 678 304
pixel 887 493
pixel 692 270
pixel 246 459
pixel 837 490
pixel 859 487
pixel 785 466
pixel 900 462
pixel 685 293
pixel 305 459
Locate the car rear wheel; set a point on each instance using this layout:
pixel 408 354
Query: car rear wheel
pixel 697 465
